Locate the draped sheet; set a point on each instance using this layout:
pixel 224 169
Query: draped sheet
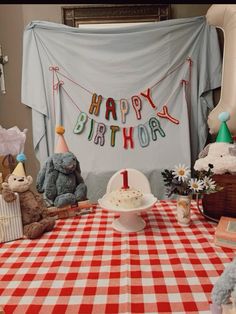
pixel 178 61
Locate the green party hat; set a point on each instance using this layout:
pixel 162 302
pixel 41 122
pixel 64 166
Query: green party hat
pixel 224 134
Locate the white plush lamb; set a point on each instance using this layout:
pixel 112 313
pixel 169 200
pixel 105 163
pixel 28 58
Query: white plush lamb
pixel 220 156
pixel 222 153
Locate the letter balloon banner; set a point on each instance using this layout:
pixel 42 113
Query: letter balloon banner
pixel 224 17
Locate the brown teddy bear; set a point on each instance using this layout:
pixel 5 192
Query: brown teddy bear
pixel 33 210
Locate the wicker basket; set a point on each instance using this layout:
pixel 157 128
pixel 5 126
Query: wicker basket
pixel 222 203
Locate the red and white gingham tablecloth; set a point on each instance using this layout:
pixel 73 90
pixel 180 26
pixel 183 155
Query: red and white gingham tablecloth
pixel 85 266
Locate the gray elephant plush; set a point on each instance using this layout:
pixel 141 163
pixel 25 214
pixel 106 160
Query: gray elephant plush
pixel 60 180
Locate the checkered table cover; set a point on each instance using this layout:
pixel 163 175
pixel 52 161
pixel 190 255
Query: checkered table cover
pixel 85 266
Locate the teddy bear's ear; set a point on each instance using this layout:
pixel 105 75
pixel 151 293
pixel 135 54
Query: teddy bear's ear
pixel 7 177
pixel 29 179
pixel 5 185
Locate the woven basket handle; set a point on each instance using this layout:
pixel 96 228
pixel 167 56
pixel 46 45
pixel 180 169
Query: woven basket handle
pixel 202 213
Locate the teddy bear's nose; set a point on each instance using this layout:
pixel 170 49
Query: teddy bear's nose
pixel 21 180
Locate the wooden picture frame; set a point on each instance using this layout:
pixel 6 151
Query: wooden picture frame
pixel 114 13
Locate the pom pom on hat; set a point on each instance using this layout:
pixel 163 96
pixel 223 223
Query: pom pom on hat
pixel 61 146
pixel 224 116
pixel 19 169
pixel 224 134
pixel 60 130
pixel 21 157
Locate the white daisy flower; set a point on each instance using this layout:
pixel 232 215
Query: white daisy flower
pixel 196 185
pixel 209 183
pixel 181 172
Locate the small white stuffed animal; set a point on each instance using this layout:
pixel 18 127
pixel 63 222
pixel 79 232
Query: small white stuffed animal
pixel 220 156
pixel 222 153
pixel 224 289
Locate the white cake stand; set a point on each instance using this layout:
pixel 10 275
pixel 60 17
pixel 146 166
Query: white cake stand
pixel 129 220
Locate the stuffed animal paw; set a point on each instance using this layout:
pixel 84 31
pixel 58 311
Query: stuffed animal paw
pixel 36 229
pixel 48 224
pixel 7 193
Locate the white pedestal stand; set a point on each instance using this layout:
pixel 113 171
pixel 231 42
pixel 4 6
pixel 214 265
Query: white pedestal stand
pixel 129 219
pixel 129 222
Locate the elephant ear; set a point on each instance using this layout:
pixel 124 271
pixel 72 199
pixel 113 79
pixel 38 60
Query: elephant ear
pixel 77 169
pixel 40 179
pixel 79 178
pixel 49 166
pixel 44 175
pixel 51 176
pixel 204 152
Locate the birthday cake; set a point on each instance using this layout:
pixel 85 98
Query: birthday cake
pixel 125 198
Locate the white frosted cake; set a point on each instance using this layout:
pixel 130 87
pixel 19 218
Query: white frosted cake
pixel 125 198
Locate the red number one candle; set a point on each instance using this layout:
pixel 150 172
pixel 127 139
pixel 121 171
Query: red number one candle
pixel 125 179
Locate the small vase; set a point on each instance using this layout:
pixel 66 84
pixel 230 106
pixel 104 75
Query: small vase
pixel 184 209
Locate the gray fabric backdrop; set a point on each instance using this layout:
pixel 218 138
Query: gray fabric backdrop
pixel 120 63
